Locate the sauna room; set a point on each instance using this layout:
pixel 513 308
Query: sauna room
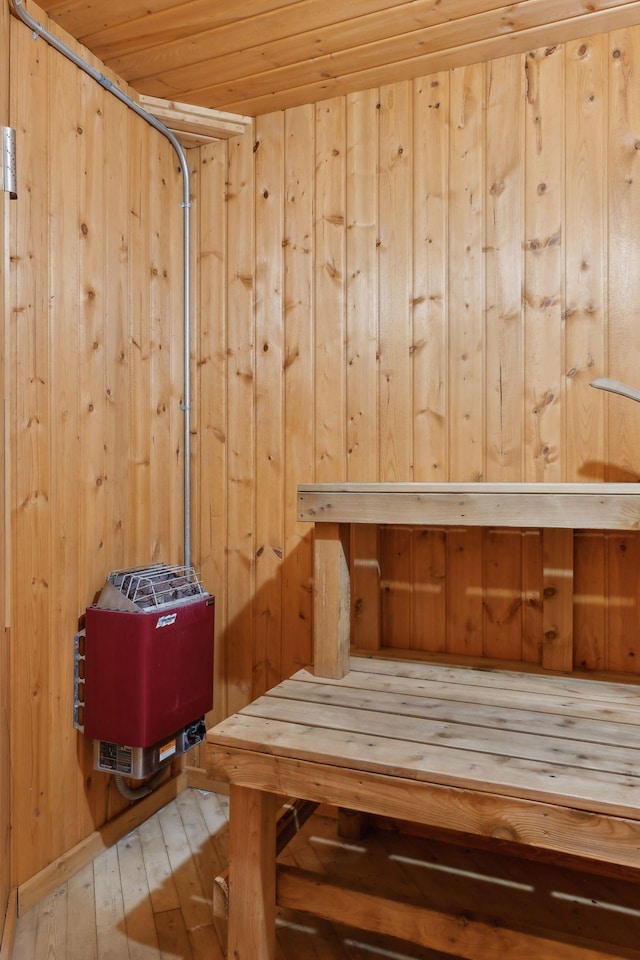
pixel 320 330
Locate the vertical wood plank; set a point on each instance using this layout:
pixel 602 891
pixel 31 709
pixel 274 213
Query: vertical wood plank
pixel 465 592
pixel 362 435
pixel 623 556
pixel 30 483
pixel 504 220
pixel 252 874
pixel 466 275
pixel 67 809
pixel 503 595
pixel 429 349
pixel 298 382
pixel 466 327
pixel 117 336
pixel 430 277
pixel 585 238
pixel 139 493
pixel 623 423
pixel 361 411
pixel 212 396
pixel 5 541
pixel 532 596
pixel 557 555
pixel 395 281
pixel 92 372
pixel 93 402
pixel 544 327
pixel 366 627
pixel 269 184
pixel 240 424
pixel 331 600
pixel 160 355
pixel 329 290
pixel 396 577
pixel 429 630
pixel 395 340
pixel 590 600
pixel 504 264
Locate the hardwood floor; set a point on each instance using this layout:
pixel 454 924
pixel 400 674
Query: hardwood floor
pixel 149 897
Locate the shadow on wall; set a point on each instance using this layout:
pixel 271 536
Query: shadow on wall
pixel 268 637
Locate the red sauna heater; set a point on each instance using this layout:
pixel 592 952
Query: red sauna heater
pixel 144 668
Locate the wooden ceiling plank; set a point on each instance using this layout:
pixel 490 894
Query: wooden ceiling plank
pixel 495 25
pixel 303 18
pixel 577 28
pixel 325 34
pixel 82 17
pixel 226 30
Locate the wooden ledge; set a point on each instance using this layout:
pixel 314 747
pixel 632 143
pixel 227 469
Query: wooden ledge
pixel 195 126
pixel 598 506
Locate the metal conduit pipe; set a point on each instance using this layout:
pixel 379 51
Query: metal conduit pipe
pixel 40 31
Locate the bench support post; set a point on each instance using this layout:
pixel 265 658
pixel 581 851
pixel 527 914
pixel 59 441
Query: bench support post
pixel 252 874
pixel 331 600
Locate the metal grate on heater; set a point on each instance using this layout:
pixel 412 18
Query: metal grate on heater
pixel 157 585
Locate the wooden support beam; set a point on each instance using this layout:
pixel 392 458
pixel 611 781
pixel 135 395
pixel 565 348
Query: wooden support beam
pixel 462 934
pixel 252 874
pixel 293 815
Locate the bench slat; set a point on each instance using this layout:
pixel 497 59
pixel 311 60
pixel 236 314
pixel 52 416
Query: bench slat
pixel 558 720
pixel 561 686
pixel 509 777
pixel 504 745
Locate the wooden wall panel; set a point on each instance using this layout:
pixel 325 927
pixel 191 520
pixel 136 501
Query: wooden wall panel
pixel 416 282
pixel 94 366
pixel 483 279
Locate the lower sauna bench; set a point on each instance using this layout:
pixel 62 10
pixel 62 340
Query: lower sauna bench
pixel 548 761
pixel 544 761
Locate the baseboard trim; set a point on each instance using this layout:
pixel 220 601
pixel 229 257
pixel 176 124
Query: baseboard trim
pixel 9 930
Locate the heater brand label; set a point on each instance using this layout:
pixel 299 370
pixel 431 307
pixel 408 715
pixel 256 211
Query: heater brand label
pixel 167 620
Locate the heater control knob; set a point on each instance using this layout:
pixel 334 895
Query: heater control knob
pixel 195 732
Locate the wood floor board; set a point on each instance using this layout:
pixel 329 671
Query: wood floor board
pixel 145 898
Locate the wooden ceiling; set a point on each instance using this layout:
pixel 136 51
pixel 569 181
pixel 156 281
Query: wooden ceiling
pixel 255 56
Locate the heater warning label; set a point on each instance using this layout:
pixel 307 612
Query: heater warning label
pixel 167 750
pixel 167 620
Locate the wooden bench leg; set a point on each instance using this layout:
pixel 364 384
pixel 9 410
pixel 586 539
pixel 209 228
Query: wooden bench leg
pixel 252 874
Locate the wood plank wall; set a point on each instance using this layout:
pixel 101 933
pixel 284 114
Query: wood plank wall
pixel 418 282
pixel 413 282
pixel 5 765
pixel 94 366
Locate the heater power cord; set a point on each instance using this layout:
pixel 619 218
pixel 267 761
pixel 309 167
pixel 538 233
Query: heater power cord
pixel 137 793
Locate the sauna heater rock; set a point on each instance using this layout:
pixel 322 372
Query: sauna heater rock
pixel 144 668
